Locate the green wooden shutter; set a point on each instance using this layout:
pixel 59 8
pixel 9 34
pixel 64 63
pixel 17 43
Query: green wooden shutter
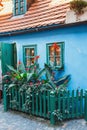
pixel 7 57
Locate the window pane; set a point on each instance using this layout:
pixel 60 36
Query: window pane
pixel 57 61
pixel 57 51
pixel 32 61
pixel 51 61
pixel 51 51
pixel 16 4
pixel 32 51
pixel 22 10
pixel 16 11
pixel 57 56
pixel 27 62
pixel 21 3
pixel 27 52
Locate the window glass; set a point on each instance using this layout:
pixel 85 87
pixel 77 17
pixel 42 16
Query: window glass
pixel 19 7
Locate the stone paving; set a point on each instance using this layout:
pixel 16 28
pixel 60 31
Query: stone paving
pixel 19 121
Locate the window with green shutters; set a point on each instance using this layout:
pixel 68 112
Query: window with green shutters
pixel 55 54
pixel 19 7
pixel 29 54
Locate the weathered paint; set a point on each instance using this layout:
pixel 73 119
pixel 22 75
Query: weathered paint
pixel 75 60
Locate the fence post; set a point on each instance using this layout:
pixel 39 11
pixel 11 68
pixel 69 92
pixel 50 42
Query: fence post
pixel 85 114
pixel 5 99
pixel 52 107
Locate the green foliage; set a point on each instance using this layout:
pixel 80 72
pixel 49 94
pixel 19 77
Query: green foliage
pixel 78 5
pixel 27 104
pixel 31 78
pixel 58 115
pixel 30 81
pixel 11 68
pixel 14 103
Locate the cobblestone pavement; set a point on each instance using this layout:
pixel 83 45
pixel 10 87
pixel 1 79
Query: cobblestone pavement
pixel 18 121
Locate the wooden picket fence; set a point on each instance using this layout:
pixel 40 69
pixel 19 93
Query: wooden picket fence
pixel 70 105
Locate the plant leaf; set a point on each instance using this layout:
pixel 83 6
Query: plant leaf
pixel 11 85
pixel 29 76
pixel 52 84
pixel 48 68
pixel 41 73
pixel 12 69
pixel 63 80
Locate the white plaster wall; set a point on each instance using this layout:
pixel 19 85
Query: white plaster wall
pixel 71 16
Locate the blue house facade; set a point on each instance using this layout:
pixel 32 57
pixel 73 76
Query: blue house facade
pixel 69 57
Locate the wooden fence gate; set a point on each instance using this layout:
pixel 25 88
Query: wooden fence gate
pixel 50 105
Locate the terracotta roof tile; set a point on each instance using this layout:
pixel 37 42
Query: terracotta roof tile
pixel 39 14
pixel 5 17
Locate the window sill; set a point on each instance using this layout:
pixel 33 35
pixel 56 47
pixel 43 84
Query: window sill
pixel 57 68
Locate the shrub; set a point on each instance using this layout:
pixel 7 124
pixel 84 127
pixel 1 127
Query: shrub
pixel 32 78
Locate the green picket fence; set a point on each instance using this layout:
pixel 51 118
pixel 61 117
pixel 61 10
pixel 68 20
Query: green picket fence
pixel 72 104
pixel 37 104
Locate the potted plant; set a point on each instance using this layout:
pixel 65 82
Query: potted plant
pixel 78 5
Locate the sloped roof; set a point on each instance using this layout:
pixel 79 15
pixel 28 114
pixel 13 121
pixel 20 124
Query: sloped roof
pixel 40 14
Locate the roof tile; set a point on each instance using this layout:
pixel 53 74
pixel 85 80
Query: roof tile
pixel 39 14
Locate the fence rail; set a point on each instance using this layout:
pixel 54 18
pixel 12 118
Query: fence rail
pixel 50 105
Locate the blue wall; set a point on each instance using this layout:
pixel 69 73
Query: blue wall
pixel 75 39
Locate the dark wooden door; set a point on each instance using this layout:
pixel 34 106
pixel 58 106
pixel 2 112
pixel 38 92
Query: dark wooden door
pixel 8 56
